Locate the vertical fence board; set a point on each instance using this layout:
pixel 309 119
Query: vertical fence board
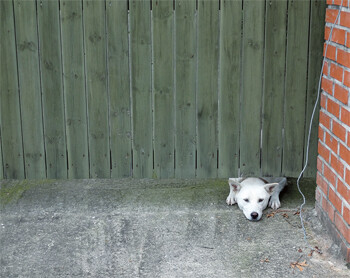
pixel 96 87
pixel 1 164
pixel 296 78
pixel 272 125
pixel 318 10
pixel 29 84
pixel 119 88
pixel 11 132
pixel 163 21
pixel 207 91
pixel 186 55
pixel 253 51
pixel 74 88
pixel 140 21
pixel 229 93
pixel 52 91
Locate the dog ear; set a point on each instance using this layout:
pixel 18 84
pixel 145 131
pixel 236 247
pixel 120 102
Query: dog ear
pixel 236 186
pixel 270 187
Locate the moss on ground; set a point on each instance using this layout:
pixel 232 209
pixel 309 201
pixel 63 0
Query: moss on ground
pixel 12 191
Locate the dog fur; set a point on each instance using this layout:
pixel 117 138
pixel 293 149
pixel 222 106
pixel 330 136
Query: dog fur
pixel 254 194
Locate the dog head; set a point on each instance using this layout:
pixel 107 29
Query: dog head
pixel 252 199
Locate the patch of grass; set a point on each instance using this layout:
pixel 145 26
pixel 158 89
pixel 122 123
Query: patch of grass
pixel 11 192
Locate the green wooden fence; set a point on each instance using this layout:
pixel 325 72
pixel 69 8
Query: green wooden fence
pixel 161 88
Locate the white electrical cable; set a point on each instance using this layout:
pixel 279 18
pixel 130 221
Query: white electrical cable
pixel 310 127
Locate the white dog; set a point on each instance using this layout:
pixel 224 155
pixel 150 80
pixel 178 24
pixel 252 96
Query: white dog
pixel 253 194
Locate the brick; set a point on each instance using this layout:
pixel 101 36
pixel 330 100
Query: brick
pixel 346 215
pixel 341 94
pixel 327 85
pixel 347 176
pixel 328 208
pixel 321 183
pixel 319 164
pixel 323 101
pixel 325 120
pixel 335 200
pixel 331 15
pixel 336 72
pixel 344 153
pixel 327 31
pixel 343 58
pixel 347 73
pixel 342 227
pixel 323 152
pixel 321 134
pixel 343 190
pixel 345 116
pixel 331 142
pixel 337 165
pixel 338 36
pixel 348 141
pixel 329 175
pixel 339 131
pixel 329 2
pixel 331 51
pixel 347 44
pixel 333 107
pixel 345 19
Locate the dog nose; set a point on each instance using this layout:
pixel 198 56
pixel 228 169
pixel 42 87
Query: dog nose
pixel 254 215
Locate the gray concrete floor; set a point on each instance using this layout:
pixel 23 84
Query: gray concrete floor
pixel 154 228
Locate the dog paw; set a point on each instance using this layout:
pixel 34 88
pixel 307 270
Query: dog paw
pixel 230 200
pixel 274 203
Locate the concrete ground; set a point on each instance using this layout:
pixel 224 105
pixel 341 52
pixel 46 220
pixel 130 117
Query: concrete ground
pixel 154 228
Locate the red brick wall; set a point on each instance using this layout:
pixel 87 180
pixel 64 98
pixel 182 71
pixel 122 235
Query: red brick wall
pixel 333 176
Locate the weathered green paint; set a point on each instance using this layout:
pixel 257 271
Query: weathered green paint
pixel 296 84
pixel 253 50
pixel 11 132
pixel 96 87
pixel 30 91
pixel 185 95
pixel 74 89
pixel 230 87
pixel 275 51
pixel 218 106
pixel 140 26
pixel 207 91
pixel 163 95
pixel 119 88
pixel 52 88
pixel 317 16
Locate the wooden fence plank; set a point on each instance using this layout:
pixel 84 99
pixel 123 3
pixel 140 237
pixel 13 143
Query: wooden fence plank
pixel 186 55
pixel 318 10
pixel 140 21
pixel 119 88
pixel 207 91
pixel 230 87
pixel 163 62
pixel 296 78
pixel 29 84
pixel 52 88
pixel 1 164
pixel 96 87
pixel 253 50
pixel 11 132
pixel 275 51
pixel 74 88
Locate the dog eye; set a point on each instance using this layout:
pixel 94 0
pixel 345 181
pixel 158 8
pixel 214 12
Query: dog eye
pixel 246 200
pixel 260 200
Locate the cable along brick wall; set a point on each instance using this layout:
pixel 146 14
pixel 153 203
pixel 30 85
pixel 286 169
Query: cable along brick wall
pixel 333 165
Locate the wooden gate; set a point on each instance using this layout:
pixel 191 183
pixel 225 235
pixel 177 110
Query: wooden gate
pixel 161 88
